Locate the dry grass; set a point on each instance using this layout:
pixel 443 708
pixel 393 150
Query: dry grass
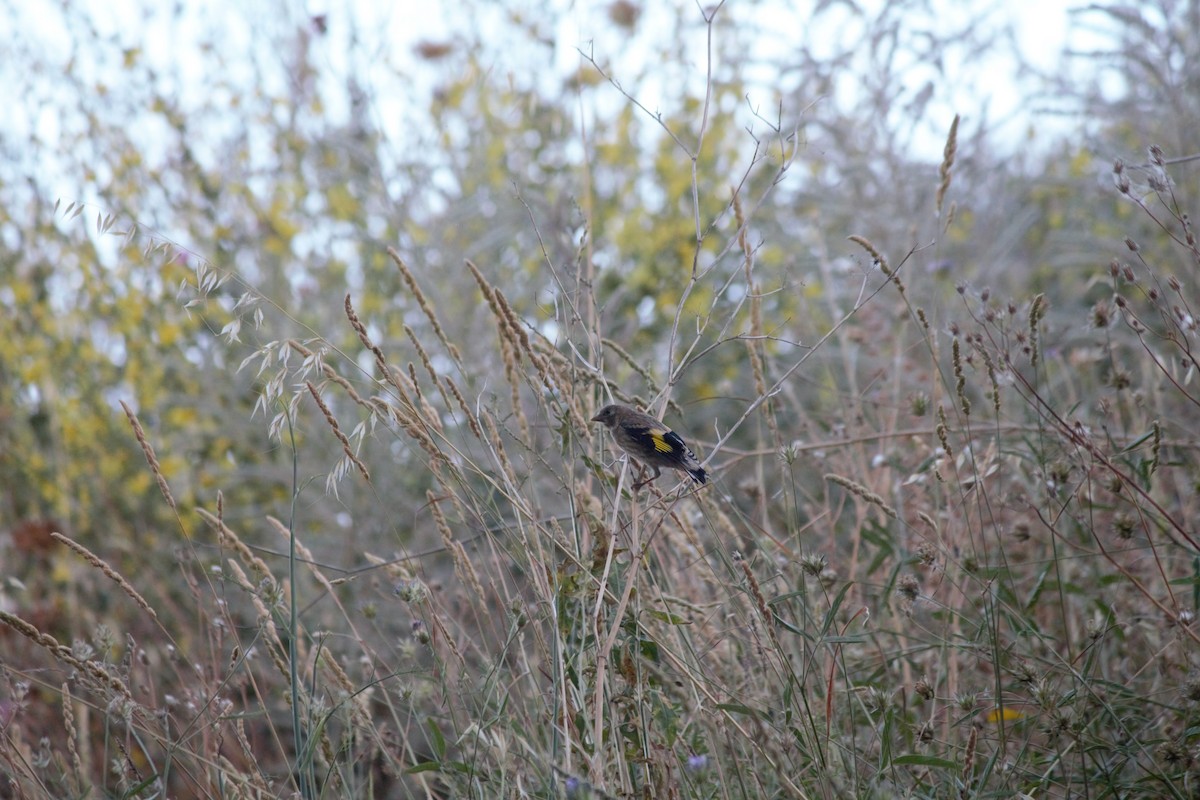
pixel 984 586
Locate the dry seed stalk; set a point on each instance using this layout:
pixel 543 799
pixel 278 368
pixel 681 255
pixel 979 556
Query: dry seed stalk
pixel 412 337
pixel 863 492
pixel 740 216
pixel 562 373
pixel 428 415
pixel 498 447
pixel 512 374
pixel 759 601
pixel 1036 312
pixel 943 432
pixel 521 338
pixel 444 635
pixel 877 256
pixel 489 294
pixel 72 735
pixel 462 564
pixel 306 556
pixel 239 732
pixel 64 654
pixel 108 571
pixel 431 415
pixel 969 759
pixel 337 431
pixel 151 459
pixel 414 430
pixel 516 330
pixel 944 172
pixel 754 345
pixel 522 344
pixel 238 784
pixel 424 304
pixel 45 640
pixel 462 404
pixel 392 377
pixel 960 384
pixel 992 379
pixel 514 334
pixel 226 536
pixel 355 699
pixel 103 676
pixel 266 623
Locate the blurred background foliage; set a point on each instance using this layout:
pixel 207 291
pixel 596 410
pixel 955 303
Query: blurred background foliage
pixel 289 149
pixel 189 192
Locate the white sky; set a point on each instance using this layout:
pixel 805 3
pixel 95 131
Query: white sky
pixel 386 34
pixel 1040 27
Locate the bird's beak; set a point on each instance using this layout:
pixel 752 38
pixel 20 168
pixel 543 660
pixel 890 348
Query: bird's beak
pixel 596 418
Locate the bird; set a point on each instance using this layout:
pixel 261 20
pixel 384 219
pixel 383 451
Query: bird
pixel 649 442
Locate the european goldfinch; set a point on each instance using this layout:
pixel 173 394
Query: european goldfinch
pixel 649 442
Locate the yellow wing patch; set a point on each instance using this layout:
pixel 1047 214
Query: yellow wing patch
pixel 661 444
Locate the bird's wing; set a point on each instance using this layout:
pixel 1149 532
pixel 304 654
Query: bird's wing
pixel 657 438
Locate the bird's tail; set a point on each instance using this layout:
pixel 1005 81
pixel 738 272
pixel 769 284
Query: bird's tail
pixel 699 475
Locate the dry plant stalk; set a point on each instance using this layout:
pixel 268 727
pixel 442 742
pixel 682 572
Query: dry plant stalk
pixel 337 431
pixel 424 303
pixel 942 429
pixel 64 654
pixel 420 348
pixel 405 414
pixel 428 413
pixel 944 171
pixel 77 774
pixel 108 571
pixel 226 536
pixel 1037 311
pixel 306 556
pixel 151 459
pixel 462 564
pixel 498 447
pixel 873 251
pixel 960 378
pixel 861 491
pixel 760 602
pixel 513 341
pixel 754 344
pixel 452 387
pixel 357 701
pixel 266 623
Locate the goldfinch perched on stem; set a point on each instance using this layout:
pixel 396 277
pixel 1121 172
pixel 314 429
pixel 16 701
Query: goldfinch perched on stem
pixel 649 442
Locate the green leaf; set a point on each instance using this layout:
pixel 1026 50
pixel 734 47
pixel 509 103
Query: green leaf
pixel 424 766
pixel 439 741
